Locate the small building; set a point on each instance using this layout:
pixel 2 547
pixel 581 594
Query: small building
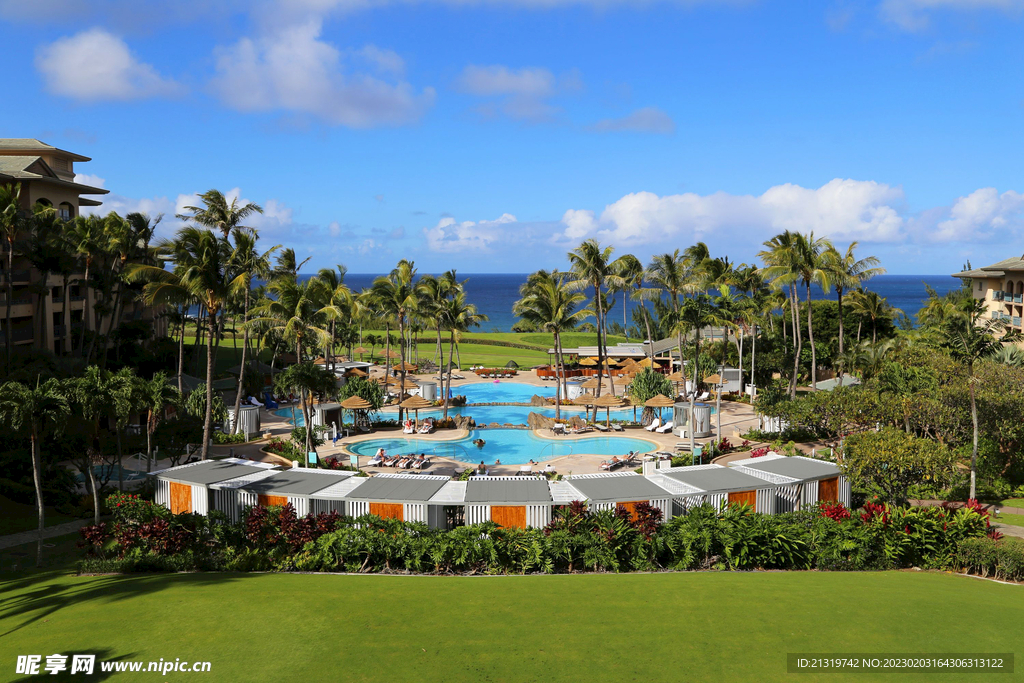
pixel 449 505
pixel 508 501
pixel 188 488
pixel 404 497
pixel 715 485
pixel 802 481
pixel 1001 287
pixel 333 498
pixel 294 486
pixel 608 491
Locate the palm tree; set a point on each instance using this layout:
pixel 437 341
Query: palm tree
pixel 396 296
pixel 457 315
pixel 970 338
pixel 552 306
pixel 869 305
pixel 11 225
pixel 673 274
pixel 155 395
pixel 782 267
pixel 332 290
pixel 628 278
pixel 307 379
pixel 698 312
pixel 248 264
pixel 813 271
pixel 847 272
pixel 201 265
pixel 287 265
pixel 219 214
pixel 591 266
pixel 85 239
pixel 36 410
pixel 296 314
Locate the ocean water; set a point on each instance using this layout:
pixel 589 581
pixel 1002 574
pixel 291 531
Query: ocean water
pixel 494 293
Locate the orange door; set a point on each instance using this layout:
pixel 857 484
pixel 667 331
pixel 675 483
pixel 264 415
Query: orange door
pixel 509 515
pixel 630 508
pixel 181 498
pixel 743 498
pixel 388 510
pixel 270 501
pixel 828 489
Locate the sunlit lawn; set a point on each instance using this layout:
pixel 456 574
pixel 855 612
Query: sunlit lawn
pixel 661 627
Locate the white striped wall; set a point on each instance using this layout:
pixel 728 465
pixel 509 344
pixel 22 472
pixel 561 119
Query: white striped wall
pixel 301 505
pixel 477 514
pixel 765 501
pixel 200 499
pixel 663 504
pixel 321 505
pixel 163 493
pixel 809 495
pixel 787 497
pixel 415 512
pixel 845 494
pixel 358 508
pixel 538 516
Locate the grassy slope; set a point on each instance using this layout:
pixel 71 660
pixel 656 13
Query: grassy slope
pixel 15 517
pixel 665 627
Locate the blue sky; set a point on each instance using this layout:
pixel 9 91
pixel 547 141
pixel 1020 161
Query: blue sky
pixel 493 135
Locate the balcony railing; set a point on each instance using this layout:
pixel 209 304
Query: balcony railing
pixel 20 275
pixel 1016 321
pixel 18 301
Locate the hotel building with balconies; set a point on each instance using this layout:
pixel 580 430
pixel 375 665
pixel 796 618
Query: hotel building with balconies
pixel 1001 287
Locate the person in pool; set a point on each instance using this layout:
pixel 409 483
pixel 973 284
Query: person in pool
pixel 479 443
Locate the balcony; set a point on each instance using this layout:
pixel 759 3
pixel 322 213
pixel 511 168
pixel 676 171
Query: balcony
pixel 1016 321
pixel 21 276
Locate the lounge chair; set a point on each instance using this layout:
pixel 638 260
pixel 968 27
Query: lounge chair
pixel 617 428
pixel 409 428
pixel 600 427
pixel 420 464
pixel 704 396
pixel 270 402
pixel 254 402
pixel 654 425
pixel 558 428
pixel 666 428
pixel 375 461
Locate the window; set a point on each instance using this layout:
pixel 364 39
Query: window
pixel 979 286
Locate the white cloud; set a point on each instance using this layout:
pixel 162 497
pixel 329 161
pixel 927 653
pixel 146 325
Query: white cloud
pixel 384 61
pixel 913 15
pixel 645 120
pixel 95 65
pixel 449 236
pixel 90 180
pixel 293 70
pixel 978 215
pixel 520 94
pixel 841 209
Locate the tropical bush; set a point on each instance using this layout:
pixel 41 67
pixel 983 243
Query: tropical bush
pixel 147 537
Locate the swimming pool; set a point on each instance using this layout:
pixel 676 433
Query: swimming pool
pixel 497 391
pixel 101 471
pixel 511 446
pixel 481 414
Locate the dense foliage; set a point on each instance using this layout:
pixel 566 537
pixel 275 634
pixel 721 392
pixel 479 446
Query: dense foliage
pixel 145 536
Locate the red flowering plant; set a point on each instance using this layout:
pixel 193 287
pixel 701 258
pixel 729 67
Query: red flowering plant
pixel 872 511
pixel 759 452
pixel 95 539
pixel 834 510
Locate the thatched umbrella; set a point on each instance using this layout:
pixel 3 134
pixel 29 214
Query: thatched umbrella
pixel 590 384
pixel 583 400
pixel 609 401
pixel 391 353
pixel 407 366
pixel 623 381
pixel 660 401
pixel 355 403
pixel 355 372
pixel 416 403
pixel 360 350
pixel 588 361
pixel 511 364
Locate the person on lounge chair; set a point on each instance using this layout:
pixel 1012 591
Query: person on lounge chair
pixel 481 468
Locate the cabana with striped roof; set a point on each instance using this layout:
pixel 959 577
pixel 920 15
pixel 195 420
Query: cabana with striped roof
pixel 404 497
pixel 295 486
pixel 610 490
pixel 508 501
pixel 715 485
pixel 188 488
pixel 802 481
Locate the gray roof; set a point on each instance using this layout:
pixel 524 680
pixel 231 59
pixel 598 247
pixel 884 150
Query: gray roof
pixel 618 489
pixel 715 479
pixel 209 472
pixel 797 468
pixel 31 144
pixel 484 490
pixel 399 488
pixel 295 483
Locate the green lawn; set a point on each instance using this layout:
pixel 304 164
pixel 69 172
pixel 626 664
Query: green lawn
pixel 663 627
pixel 1009 518
pixel 15 517
pixel 1013 503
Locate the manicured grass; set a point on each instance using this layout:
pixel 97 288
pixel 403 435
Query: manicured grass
pixel 1013 503
pixel 1009 518
pixel 15 517
pixel 662 627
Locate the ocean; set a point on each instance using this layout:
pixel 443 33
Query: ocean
pixel 494 293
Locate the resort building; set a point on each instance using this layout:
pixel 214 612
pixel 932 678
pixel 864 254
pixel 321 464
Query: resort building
pixel 1001 287
pixel 46 176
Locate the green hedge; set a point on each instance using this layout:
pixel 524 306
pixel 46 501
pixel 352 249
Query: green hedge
pixel 1002 559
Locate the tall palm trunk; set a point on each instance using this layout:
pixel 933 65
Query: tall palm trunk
pixel 90 459
pixel 241 369
pixel 810 338
pixel 181 354
pixel 559 380
pixel 740 335
pixel 798 343
pixel 451 350
pixel 693 394
pixel 149 439
pixel 401 362
pixel 647 320
pixel 974 435
pixel 85 309
pixel 66 344
pixel 37 480
pixel 211 318
pixel 753 356
pixel 10 301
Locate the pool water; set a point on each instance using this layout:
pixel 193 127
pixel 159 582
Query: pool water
pixel 498 391
pixel 511 446
pixel 101 471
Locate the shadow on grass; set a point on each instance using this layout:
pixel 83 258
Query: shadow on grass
pixel 97 674
pixel 37 595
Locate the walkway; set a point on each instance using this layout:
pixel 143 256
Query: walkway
pixel 11 540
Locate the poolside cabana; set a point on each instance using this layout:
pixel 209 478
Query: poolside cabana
pixel 416 404
pixel 802 481
pixel 609 401
pixel 187 488
pixel 715 485
pixel 608 491
pixel 396 496
pixel 447 507
pixel 508 501
pixel 355 403
pixel 294 486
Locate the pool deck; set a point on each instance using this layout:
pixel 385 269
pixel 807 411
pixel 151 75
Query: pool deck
pixel 736 418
